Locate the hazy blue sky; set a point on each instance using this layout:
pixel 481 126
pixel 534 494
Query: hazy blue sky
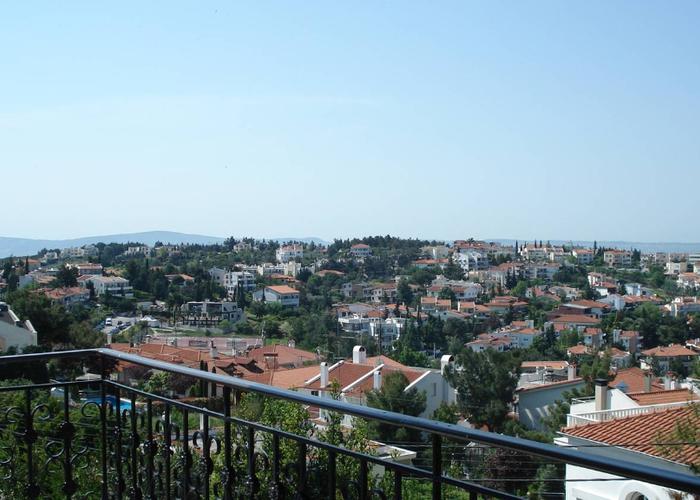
pixel 513 119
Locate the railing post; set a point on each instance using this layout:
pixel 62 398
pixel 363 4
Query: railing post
pixel 437 467
pixel 397 485
pixel 331 474
pixel 118 444
pixel 29 439
pixel 301 468
pixel 103 427
pixel 166 451
pixel 228 468
pixel 149 450
pixel 206 458
pixel 68 431
pixel 186 457
pixel 135 469
pixel 275 486
pixel 251 482
pixel 364 489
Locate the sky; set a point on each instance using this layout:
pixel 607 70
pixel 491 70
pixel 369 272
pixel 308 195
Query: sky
pixel 494 119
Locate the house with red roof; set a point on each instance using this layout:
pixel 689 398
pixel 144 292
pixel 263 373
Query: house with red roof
pixel 666 355
pixel 278 294
pixel 356 377
pixel 649 439
pixel 361 251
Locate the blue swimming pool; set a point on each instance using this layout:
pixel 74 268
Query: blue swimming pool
pixel 124 404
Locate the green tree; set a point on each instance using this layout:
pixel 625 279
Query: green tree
pixel 485 384
pixel 520 289
pixel 404 292
pixel 394 397
pixel 66 276
pixel 51 321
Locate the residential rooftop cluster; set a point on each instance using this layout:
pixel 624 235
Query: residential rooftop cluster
pixel 581 345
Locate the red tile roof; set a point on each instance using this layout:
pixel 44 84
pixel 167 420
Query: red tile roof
pixel 344 373
pixel 576 319
pixel 285 355
pixel 555 365
pixel 282 289
pixel 633 380
pixel 663 397
pixel 591 304
pixel 671 351
pixel 646 433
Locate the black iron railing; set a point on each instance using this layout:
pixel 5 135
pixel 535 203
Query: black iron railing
pixel 127 443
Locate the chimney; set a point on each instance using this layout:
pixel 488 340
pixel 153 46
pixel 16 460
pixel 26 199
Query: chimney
pixel 109 338
pixel 324 375
pixel 445 361
pixel 213 352
pixel 601 394
pixel 647 381
pixel 359 355
pixel 377 382
pixel 668 381
pixel 571 371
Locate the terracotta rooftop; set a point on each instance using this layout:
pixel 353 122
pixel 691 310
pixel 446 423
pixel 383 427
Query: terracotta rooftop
pixel 588 304
pixel 646 434
pixel 285 355
pixel 555 365
pixel 368 383
pixel 286 379
pixel 576 319
pixel 344 373
pixel 282 289
pixel 633 380
pixel 578 350
pixel 663 397
pixel 672 350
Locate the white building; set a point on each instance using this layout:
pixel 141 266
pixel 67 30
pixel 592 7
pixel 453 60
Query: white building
pixel 617 258
pixel 268 269
pixel 532 253
pixel 13 331
pixel 389 330
pixel 113 285
pixel 231 280
pixel 630 432
pixel 137 250
pixel 676 268
pixel 286 253
pixel 208 313
pixel 360 251
pixel 279 294
pixel 472 260
pixel 584 256
pixel 86 268
pixel 365 374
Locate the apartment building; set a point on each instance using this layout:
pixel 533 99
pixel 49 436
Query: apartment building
pixel 617 258
pixel 286 253
pixel 112 285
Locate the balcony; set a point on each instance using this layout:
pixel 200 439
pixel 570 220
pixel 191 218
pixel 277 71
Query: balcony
pixel 605 415
pixel 123 442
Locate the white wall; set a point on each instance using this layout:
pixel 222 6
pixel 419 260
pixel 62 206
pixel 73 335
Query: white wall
pixel 581 482
pixel 533 405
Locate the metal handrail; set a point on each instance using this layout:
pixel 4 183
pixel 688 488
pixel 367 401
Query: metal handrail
pixel 655 475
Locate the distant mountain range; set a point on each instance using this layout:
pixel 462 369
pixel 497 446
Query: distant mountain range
pixel 644 247
pixel 26 246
